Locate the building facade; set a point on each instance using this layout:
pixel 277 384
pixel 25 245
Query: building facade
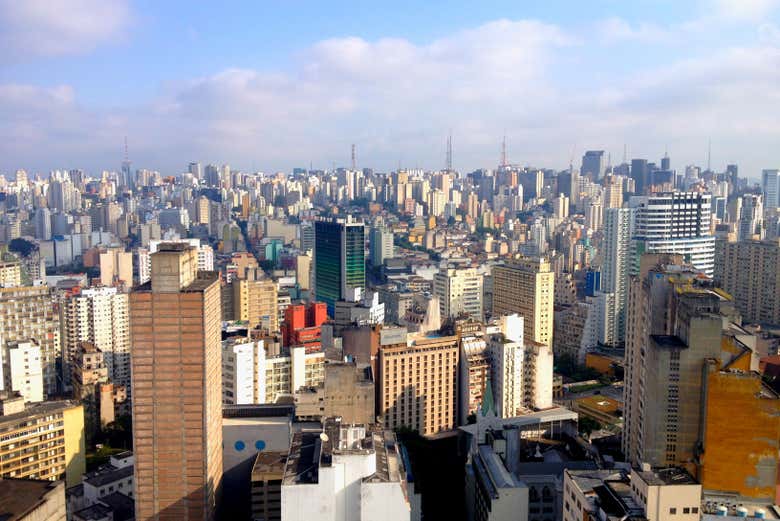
pixel 526 287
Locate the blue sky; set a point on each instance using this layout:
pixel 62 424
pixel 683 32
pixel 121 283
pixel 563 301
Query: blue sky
pixel 272 85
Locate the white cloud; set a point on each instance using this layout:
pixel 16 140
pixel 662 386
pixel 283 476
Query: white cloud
pixel 742 10
pixel 616 29
pixel 59 27
pixel 396 100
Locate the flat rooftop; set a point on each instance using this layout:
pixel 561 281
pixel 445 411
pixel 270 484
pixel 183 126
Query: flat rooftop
pixel 668 341
pixel 667 476
pixel 19 496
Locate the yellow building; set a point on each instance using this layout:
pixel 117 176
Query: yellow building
pixel 10 274
pixel 42 441
pixel 526 287
pixel 255 301
pixel 418 384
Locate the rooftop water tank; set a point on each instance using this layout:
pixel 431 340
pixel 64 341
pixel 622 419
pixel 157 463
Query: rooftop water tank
pixel 721 510
pixel 742 512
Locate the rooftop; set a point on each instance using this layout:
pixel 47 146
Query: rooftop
pixel 668 341
pixel 107 474
pixel 38 409
pixel 667 476
pixel 269 465
pixel 19 496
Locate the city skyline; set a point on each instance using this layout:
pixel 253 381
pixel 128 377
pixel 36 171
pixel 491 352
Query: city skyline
pixel 274 88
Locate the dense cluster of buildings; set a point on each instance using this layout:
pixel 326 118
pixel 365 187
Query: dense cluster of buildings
pixel 264 345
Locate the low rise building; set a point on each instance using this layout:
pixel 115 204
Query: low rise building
pixel 32 500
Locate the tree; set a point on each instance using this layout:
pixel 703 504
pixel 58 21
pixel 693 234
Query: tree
pixel 22 246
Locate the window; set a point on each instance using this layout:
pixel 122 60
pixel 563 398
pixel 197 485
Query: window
pixel 695 510
pixel 686 510
pixel 672 511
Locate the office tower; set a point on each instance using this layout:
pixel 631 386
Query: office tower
pixel 21 370
pixel 770 183
pixel 339 259
pixel 202 210
pixel 177 398
pixel 526 287
pixel 43 224
pixel 640 173
pixel 211 175
pixel 352 472
pixel 459 292
pixel 255 301
pixel 28 312
pixel 750 272
pixel 418 384
pixel 673 326
pixel 196 170
pixel 674 222
pixel 666 163
pixel 307 236
pixel 751 218
pixel 615 271
pixel 380 245
pixel 100 316
pixel 593 164
pixel 41 440
pixel 732 175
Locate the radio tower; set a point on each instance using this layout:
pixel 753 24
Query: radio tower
pixel 449 152
pixel 503 152
pixel 354 161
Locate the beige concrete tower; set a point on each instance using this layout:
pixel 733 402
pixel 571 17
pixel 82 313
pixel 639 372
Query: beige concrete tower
pixel 526 287
pixel 176 373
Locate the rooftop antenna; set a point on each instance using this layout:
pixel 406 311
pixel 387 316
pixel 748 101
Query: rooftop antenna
pixel 503 151
pixel 449 152
pixel 127 157
pixel 354 162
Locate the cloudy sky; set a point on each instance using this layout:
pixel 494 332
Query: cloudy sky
pixel 273 85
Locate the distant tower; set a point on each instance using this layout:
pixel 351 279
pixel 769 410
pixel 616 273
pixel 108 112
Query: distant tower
pixel 449 152
pixel 503 151
pixel 354 161
pixel 126 165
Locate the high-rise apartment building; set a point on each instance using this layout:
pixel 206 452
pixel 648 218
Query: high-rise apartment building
pixel 177 383
pixel 418 384
pixel 770 183
pixel 750 272
pixel 614 273
pixel 613 192
pixel 116 267
pixel 10 274
pixel 100 316
pixel 675 223
pixel 459 292
pixel 28 312
pixel 205 257
pixel 42 440
pixel 526 287
pixel 339 259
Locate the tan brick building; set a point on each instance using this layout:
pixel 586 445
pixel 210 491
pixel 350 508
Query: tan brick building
pixel 176 371
pixel 418 384
pixel 526 287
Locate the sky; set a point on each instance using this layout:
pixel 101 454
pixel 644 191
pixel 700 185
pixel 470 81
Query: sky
pixel 272 85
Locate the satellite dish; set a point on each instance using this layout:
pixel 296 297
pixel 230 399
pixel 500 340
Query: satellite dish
pixel 323 436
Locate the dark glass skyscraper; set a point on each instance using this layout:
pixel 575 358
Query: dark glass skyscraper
pixel 339 259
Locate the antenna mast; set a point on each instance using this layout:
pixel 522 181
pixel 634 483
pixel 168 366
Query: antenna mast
pixel 354 162
pixel 503 152
pixel 449 152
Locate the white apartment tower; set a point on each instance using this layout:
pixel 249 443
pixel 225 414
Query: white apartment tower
pixel 459 292
pixel 99 316
pixel 614 273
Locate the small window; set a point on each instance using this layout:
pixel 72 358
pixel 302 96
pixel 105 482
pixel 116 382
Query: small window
pixel 686 510
pixel 672 511
pixel 695 510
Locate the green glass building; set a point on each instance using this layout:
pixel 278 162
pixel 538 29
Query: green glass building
pixel 339 259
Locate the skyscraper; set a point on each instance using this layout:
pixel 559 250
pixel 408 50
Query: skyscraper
pixel 526 287
pixel 593 164
pixel 176 373
pixel 770 183
pixel 339 259
pixel 751 218
pixel 674 222
pixel 615 271
pixel 640 173
pixel 380 245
